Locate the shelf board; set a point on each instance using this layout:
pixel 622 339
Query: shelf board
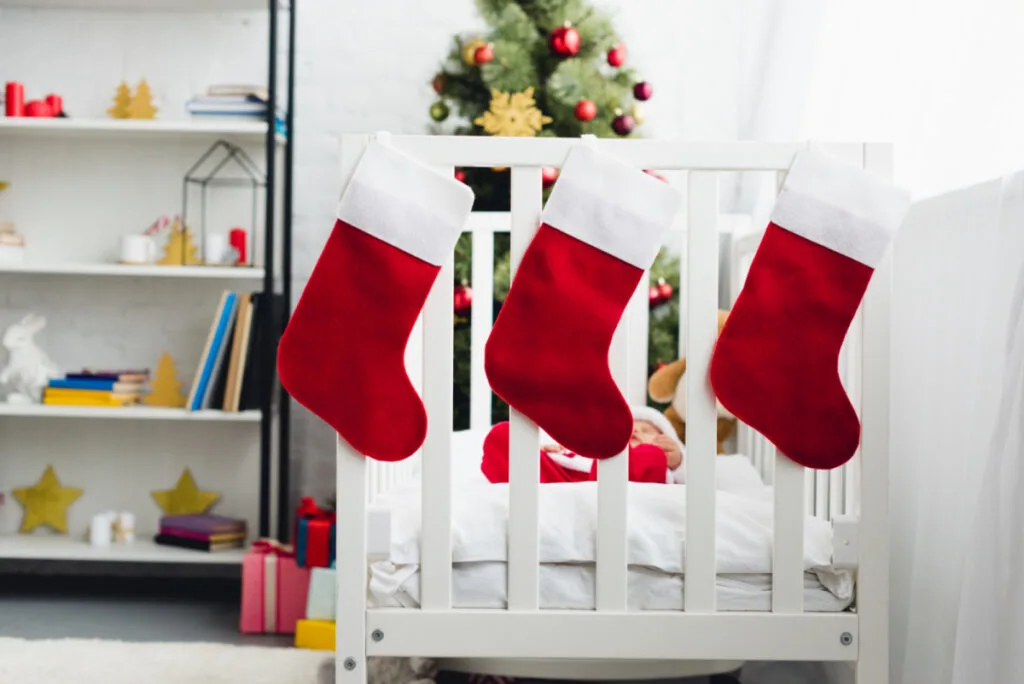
pixel 147 271
pixel 125 413
pixel 157 129
pixel 142 550
pixel 177 6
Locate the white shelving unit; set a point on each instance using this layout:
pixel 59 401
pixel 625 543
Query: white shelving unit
pixel 80 183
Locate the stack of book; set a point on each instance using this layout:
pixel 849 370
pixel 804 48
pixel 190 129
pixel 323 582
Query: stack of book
pixel 228 376
pixel 235 101
pixel 97 388
pixel 202 532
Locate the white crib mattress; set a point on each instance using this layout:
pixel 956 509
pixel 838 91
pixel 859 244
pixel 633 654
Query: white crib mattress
pixel 571 587
pixel 656 535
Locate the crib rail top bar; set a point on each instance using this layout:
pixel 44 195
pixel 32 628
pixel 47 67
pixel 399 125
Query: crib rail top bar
pixel 663 155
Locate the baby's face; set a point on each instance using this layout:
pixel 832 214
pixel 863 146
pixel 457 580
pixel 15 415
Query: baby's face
pixel 644 432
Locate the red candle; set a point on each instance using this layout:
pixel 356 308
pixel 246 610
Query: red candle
pixel 14 94
pixel 237 238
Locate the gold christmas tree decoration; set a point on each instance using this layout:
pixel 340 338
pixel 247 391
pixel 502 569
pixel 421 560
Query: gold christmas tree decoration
pixel 165 390
pixel 141 105
pixel 46 503
pixel 121 101
pixel 186 498
pixel 513 114
pixel 180 250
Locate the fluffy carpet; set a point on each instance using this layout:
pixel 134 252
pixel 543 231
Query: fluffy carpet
pixel 88 661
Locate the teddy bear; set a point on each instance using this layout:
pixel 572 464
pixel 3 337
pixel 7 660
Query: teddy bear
pixel 667 386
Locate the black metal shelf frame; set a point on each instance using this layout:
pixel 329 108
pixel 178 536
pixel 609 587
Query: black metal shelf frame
pixel 282 298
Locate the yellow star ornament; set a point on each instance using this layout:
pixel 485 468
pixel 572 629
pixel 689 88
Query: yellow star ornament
pixel 46 503
pixel 186 498
pixel 513 114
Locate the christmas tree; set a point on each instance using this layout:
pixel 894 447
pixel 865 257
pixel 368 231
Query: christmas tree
pixel 141 105
pixel 122 99
pixel 179 249
pixel 544 68
pixel 165 390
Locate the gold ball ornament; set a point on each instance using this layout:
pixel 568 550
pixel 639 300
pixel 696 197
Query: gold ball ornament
pixel 637 112
pixel 469 51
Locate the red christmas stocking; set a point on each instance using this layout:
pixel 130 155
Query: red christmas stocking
pixel 547 355
pixel 775 365
pixel 342 355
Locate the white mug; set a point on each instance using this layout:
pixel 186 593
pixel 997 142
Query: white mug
pixel 137 249
pixel 215 249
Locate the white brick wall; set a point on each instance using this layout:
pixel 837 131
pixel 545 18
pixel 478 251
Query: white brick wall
pixel 363 66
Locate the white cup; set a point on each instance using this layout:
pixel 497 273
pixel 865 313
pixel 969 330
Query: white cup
pixel 215 248
pixel 137 249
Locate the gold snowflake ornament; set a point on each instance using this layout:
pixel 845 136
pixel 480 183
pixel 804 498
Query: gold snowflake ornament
pixel 513 114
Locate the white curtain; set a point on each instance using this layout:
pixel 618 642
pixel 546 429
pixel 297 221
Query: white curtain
pixel 990 626
pixel 958 259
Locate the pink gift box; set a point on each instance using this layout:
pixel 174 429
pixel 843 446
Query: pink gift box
pixel 274 589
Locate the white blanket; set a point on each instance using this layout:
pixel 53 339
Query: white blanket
pixel 568 527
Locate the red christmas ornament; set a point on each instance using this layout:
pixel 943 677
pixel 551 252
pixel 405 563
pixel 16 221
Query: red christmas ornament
pixel 585 110
pixel 460 175
pixel 462 299
pixel 564 41
pixel 438 84
pixel 664 290
pixel 548 175
pixel 643 91
pixel 653 296
pixel 623 124
pixel 483 54
pixel 617 55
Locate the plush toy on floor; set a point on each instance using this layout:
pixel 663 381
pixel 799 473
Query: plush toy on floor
pixel 667 385
pixel 28 368
pixel 388 670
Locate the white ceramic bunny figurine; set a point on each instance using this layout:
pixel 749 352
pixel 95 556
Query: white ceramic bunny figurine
pixel 28 368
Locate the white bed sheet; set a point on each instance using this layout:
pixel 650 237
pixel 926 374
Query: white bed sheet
pixel 571 587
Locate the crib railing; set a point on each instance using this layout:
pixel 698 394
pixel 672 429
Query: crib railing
pixel 430 364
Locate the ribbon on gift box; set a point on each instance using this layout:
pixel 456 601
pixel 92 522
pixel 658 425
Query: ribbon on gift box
pixel 271 550
pixel 314 535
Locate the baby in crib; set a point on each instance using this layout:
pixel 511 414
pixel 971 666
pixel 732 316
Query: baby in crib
pixel 655 454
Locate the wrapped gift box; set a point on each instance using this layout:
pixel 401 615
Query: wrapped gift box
pixel 274 589
pixel 322 588
pixel 317 635
pixel 314 535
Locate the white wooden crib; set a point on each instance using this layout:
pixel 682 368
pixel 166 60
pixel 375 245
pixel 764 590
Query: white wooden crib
pixel 612 641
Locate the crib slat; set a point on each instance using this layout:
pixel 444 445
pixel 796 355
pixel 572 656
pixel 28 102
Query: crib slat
pixel 350 485
pixel 613 493
pixel 639 321
pixel 788 556
pixel 701 415
pixel 873 572
pixel 524 437
pixel 436 552
pixel 482 319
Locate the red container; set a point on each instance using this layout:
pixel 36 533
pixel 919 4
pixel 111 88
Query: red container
pixel 56 104
pixel 14 96
pixel 39 109
pixel 237 238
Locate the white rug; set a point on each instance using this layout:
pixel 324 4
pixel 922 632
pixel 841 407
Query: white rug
pixel 87 661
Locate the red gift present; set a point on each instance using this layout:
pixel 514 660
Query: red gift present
pixel 274 589
pixel 314 535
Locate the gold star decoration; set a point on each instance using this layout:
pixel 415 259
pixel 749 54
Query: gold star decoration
pixel 513 114
pixel 46 503
pixel 186 498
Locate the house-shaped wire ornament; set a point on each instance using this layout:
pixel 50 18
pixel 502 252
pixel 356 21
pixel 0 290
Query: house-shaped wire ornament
pixel 218 160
